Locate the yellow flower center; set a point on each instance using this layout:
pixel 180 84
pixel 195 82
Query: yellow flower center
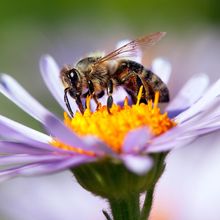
pixel 112 128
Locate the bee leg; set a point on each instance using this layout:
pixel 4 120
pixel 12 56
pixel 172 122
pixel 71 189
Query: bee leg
pixel 132 95
pixel 77 100
pixel 80 105
pixel 92 93
pixel 85 94
pixel 147 91
pixel 67 102
pixel 110 98
pixel 101 94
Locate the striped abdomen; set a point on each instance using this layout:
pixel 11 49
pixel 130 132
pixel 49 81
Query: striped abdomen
pixel 132 75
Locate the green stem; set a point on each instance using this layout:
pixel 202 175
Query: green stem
pixel 125 209
pixel 157 172
pixel 145 212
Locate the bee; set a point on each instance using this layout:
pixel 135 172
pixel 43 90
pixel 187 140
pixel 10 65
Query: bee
pixel 95 75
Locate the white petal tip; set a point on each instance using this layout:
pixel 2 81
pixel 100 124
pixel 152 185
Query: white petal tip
pixel 45 60
pixel 138 164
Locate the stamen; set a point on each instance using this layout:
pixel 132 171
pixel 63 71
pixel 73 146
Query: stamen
pixel 88 100
pixel 112 128
pixel 63 146
pixel 126 101
pixel 156 99
pixel 139 95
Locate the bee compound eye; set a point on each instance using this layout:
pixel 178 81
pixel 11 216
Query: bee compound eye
pixel 73 76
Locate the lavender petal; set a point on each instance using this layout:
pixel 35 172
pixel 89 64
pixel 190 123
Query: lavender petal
pixel 189 94
pixel 17 94
pixel 137 164
pixel 57 129
pixel 10 147
pixel 29 158
pixel 13 129
pixel 167 146
pixel 136 140
pixel 167 139
pixel 44 167
pixel 99 145
pixel 51 76
pixel 208 120
pixel 201 104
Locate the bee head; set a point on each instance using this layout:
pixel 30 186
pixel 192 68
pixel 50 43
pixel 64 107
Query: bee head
pixel 71 79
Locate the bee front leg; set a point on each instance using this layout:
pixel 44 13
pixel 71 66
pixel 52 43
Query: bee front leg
pixel 80 105
pixel 67 102
pixel 77 100
pixel 109 93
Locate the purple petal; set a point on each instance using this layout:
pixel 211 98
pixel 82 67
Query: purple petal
pixel 51 75
pixel 99 145
pixel 167 146
pixel 57 129
pixel 29 146
pixel 189 94
pixel 136 140
pixel 167 139
pixel 28 158
pixel 12 129
pixel 178 136
pixel 27 137
pixel 44 168
pixel 10 147
pixel 137 164
pixel 17 94
pixel 174 112
pixel 187 131
pixel 202 103
pixel 162 68
pixel 206 121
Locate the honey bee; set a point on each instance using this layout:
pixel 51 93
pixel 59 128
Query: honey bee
pixel 96 74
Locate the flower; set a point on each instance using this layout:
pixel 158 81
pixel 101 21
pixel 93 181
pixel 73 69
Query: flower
pixel 129 144
pixel 32 152
pixel 195 110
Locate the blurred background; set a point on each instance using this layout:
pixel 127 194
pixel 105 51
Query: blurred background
pixel 68 30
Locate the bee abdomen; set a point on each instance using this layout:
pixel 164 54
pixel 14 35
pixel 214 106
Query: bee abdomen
pixel 132 75
pixel 156 84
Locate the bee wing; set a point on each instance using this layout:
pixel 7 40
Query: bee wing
pixel 136 56
pixel 132 48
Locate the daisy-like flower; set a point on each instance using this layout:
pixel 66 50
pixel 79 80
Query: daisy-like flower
pixel 116 156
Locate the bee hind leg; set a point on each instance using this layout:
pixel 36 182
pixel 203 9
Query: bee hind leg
pixel 134 93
